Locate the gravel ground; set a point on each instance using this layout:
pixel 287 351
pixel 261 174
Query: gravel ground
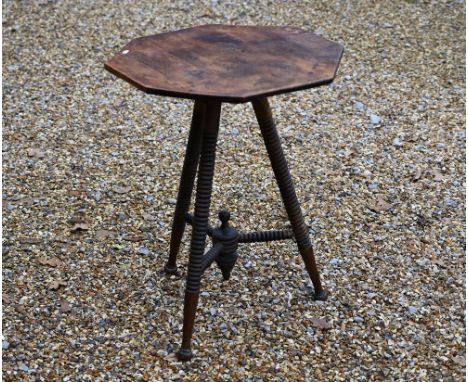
pixel 90 173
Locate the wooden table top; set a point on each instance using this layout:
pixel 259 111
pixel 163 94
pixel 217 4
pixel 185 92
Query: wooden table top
pixel 228 63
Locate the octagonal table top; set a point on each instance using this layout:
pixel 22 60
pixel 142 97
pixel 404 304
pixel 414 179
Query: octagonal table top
pixel 228 63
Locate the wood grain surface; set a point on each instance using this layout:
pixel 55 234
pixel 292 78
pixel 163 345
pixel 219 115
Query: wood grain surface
pixel 228 63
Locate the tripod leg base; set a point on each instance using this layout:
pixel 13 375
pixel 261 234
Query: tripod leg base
pixel 184 354
pixel 321 296
pixel 171 269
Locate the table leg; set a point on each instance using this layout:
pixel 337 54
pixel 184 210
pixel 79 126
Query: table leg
pixel 288 194
pixel 189 170
pixel 200 224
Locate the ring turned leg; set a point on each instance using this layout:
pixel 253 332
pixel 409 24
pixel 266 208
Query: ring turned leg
pixel 189 170
pixel 288 194
pixel 200 224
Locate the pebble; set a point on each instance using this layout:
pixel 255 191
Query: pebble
pixel 23 367
pixel 122 216
pixel 375 120
pixel 144 251
pixel 412 310
pixel 450 202
pixel 461 135
pixel 5 344
pixel 359 105
pixel 97 196
pixel 145 228
pixel 397 142
pixel 149 198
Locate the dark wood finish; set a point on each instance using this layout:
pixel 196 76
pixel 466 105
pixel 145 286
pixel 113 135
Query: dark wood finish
pixel 288 194
pixel 200 222
pixel 250 237
pixel 229 63
pixel 190 309
pixel 189 170
pixel 225 238
pixel 214 64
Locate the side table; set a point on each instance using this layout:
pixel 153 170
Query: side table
pixel 212 64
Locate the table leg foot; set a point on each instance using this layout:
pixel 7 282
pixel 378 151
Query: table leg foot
pixel 171 269
pixel 190 309
pixel 184 354
pixel 321 296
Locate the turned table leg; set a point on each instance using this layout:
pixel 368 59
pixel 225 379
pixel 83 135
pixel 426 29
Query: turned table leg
pixel 200 223
pixel 189 170
pixel 288 194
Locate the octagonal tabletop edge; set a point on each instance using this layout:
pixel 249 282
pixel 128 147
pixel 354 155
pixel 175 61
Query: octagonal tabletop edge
pixel 227 63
